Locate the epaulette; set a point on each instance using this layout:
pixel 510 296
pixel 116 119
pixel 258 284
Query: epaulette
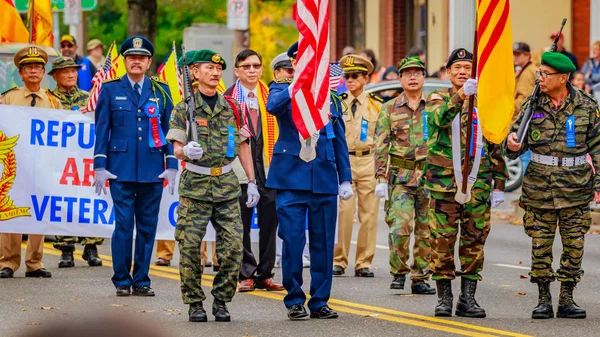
pixel 159 80
pixel 344 95
pixel 375 97
pixel 283 80
pixel 7 91
pixel 111 80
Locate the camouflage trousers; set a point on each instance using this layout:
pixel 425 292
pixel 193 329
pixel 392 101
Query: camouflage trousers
pixel 540 225
pixel 193 217
pixel 70 241
pixel 446 217
pixel 407 209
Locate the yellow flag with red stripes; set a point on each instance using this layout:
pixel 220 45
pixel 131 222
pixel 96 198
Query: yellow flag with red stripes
pixel 40 18
pixel 496 79
pixel 169 72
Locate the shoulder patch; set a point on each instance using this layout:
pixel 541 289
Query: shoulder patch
pixel 111 80
pixel 344 95
pixel 159 80
pixel 375 97
pixel 7 91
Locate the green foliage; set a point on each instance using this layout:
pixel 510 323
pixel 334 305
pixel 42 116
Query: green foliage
pixel 272 30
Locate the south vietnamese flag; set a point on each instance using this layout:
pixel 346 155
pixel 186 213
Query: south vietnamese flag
pixel 495 72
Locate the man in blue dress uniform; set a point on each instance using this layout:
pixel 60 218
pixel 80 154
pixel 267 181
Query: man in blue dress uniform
pixel 132 119
pixel 308 180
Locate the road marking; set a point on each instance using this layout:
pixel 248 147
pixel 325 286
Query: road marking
pixel 512 266
pixel 376 246
pixel 391 315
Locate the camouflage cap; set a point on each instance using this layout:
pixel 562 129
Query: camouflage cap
pixel 30 54
pixel 209 56
pixel 410 62
pixel 63 62
pixel 558 61
pixel 189 58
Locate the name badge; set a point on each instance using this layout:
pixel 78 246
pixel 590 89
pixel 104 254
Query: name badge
pixel 570 131
pixel 425 127
pixel 121 98
pixel 364 130
pixel 252 104
pixel 230 142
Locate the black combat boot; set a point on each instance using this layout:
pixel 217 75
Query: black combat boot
pixel 467 306
pixel 445 298
pixel 66 258
pixel 544 308
pixel 219 310
pixel 567 308
pixel 197 313
pixel 398 282
pixel 90 254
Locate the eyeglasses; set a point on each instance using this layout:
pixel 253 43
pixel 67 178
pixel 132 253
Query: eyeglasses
pixel 32 67
pixel 247 67
pixel 66 45
pixel 544 76
pixel 415 74
pixel 353 76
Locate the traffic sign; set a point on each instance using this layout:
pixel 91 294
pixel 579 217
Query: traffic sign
pixel 58 5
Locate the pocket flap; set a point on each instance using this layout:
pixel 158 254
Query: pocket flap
pixel 118 145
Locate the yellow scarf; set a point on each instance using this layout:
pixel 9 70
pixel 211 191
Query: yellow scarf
pixel 269 124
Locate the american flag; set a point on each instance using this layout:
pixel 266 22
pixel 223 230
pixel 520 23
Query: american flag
pixel 335 75
pixel 310 94
pixel 106 72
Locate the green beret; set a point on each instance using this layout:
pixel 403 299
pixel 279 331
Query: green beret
pixel 558 61
pixel 209 56
pixel 189 58
pixel 410 62
pixel 63 62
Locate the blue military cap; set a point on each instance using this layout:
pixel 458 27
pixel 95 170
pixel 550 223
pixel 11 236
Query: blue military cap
pixel 291 53
pixel 137 45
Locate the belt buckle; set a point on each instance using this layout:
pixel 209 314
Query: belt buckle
pixel 359 153
pixel 216 171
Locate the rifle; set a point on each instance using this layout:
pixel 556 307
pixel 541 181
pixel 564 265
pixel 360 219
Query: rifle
pixel 188 98
pixel 535 95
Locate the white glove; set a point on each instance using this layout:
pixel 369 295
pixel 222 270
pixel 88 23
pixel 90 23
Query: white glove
pixel 497 198
pixel 346 190
pixel 102 175
pixel 381 191
pixel 470 87
pixel 253 195
pixel 170 175
pixel 193 150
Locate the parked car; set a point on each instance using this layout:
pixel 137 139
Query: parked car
pixel 9 74
pixel 515 167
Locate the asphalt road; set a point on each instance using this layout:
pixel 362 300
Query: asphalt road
pixel 367 307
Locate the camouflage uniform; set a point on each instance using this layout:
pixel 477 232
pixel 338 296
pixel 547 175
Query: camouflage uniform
pixel 558 196
pixel 445 213
pixel 73 99
pixel 401 145
pixel 204 198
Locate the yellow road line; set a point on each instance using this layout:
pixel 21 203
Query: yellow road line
pixel 339 305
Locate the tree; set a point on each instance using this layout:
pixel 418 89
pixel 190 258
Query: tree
pixel 141 18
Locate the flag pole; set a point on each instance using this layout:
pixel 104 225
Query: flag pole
pixel 469 135
pixel 31 7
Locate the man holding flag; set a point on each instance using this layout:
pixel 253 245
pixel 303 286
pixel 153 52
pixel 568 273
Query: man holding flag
pixel 305 173
pixel 449 209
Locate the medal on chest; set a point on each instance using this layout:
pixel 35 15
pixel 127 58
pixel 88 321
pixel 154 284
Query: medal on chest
pixel 156 137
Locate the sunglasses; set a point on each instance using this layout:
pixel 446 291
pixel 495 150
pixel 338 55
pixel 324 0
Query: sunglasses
pixel 66 45
pixel 287 70
pixel 248 66
pixel 353 76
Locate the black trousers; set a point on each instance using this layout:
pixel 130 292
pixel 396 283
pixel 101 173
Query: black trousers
pixel 267 222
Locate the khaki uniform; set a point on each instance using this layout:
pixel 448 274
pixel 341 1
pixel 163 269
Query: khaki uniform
pixel 363 184
pixel 524 84
pixel 10 244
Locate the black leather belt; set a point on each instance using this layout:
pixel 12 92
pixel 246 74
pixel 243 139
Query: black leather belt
pixel 360 153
